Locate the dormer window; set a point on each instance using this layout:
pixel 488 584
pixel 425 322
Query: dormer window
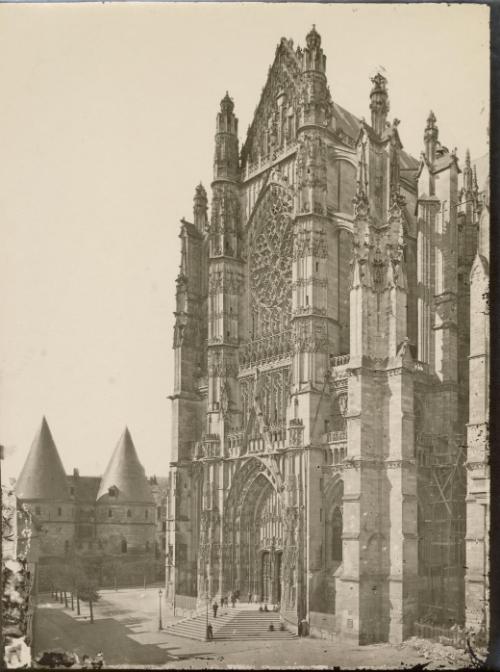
pixel 113 491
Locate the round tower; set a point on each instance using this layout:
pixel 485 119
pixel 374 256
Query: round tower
pixel 42 488
pixel 125 504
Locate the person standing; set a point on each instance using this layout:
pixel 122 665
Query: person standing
pixel 215 606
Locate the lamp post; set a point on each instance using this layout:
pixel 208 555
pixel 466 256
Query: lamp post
pixel 160 593
pixel 206 623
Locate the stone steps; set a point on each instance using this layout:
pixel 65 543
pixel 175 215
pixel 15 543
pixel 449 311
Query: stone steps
pixel 237 624
pixel 195 627
pixel 253 625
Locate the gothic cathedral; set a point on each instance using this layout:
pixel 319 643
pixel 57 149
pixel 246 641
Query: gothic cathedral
pixel 322 349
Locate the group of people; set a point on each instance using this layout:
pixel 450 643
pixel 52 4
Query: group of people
pixel 224 601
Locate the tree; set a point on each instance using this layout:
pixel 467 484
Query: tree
pixel 87 590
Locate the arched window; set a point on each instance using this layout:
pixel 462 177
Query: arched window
pixel 146 513
pixel 110 513
pixel 147 546
pixel 129 513
pixel 336 528
pixel 66 546
pixel 124 545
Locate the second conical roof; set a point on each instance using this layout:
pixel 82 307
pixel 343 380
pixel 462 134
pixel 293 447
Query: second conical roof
pixel 126 474
pixel 43 476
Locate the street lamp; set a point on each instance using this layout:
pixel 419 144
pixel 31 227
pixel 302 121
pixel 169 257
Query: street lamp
pixel 206 624
pixel 160 593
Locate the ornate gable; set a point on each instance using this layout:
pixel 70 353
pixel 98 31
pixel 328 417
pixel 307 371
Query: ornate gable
pixel 274 122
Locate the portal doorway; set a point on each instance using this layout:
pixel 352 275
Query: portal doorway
pixel 271 577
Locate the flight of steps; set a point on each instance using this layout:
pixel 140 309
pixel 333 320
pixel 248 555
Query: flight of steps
pixel 196 627
pixel 232 624
pixel 252 624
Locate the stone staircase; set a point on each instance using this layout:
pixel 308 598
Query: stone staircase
pixel 231 624
pixel 252 624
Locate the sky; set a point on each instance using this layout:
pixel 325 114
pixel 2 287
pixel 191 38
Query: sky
pixel 106 127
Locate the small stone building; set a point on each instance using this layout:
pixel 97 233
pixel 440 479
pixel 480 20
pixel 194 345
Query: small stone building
pixel 88 515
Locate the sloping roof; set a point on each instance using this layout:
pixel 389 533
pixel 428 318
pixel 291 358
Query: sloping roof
pixel 346 121
pixel 126 473
pixel 85 488
pixel 351 125
pixel 43 476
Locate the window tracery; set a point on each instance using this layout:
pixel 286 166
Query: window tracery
pixel 270 262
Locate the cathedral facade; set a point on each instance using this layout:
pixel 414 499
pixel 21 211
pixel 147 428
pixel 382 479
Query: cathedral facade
pixel 322 344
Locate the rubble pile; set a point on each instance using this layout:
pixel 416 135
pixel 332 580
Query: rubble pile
pixel 442 655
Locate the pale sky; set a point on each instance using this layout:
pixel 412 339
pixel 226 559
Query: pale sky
pixel 106 126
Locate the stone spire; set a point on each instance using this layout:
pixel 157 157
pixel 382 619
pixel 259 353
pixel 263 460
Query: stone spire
pixel 468 176
pixel 226 142
pixel 43 476
pixel 313 56
pixel 379 103
pixel 431 134
pixel 200 208
pixel 125 473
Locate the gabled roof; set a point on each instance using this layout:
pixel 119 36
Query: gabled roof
pixel 85 488
pixel 43 476
pixel 125 473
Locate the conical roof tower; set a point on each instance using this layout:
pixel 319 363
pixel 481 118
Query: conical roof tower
pixel 125 473
pixel 43 476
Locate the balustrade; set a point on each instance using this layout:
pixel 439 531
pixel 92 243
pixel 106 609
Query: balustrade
pixel 339 360
pixel 209 446
pixel 267 349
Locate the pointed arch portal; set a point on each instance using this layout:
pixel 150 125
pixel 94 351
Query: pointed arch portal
pixel 257 532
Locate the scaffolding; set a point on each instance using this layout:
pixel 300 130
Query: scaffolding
pixel 441 490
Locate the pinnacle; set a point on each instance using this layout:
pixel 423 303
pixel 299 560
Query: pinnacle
pixel 313 38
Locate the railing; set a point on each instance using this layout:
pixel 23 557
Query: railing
pixel 336 436
pixel 267 349
pixel 339 360
pixel 209 446
pixel 235 443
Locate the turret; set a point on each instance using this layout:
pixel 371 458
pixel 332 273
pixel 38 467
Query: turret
pixel 468 176
pixel 125 503
pixel 42 488
pixel 379 103
pixel 431 137
pixel 313 56
pixel 43 477
pixel 226 142
pixel 316 103
pixel 200 209
pixel 125 475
